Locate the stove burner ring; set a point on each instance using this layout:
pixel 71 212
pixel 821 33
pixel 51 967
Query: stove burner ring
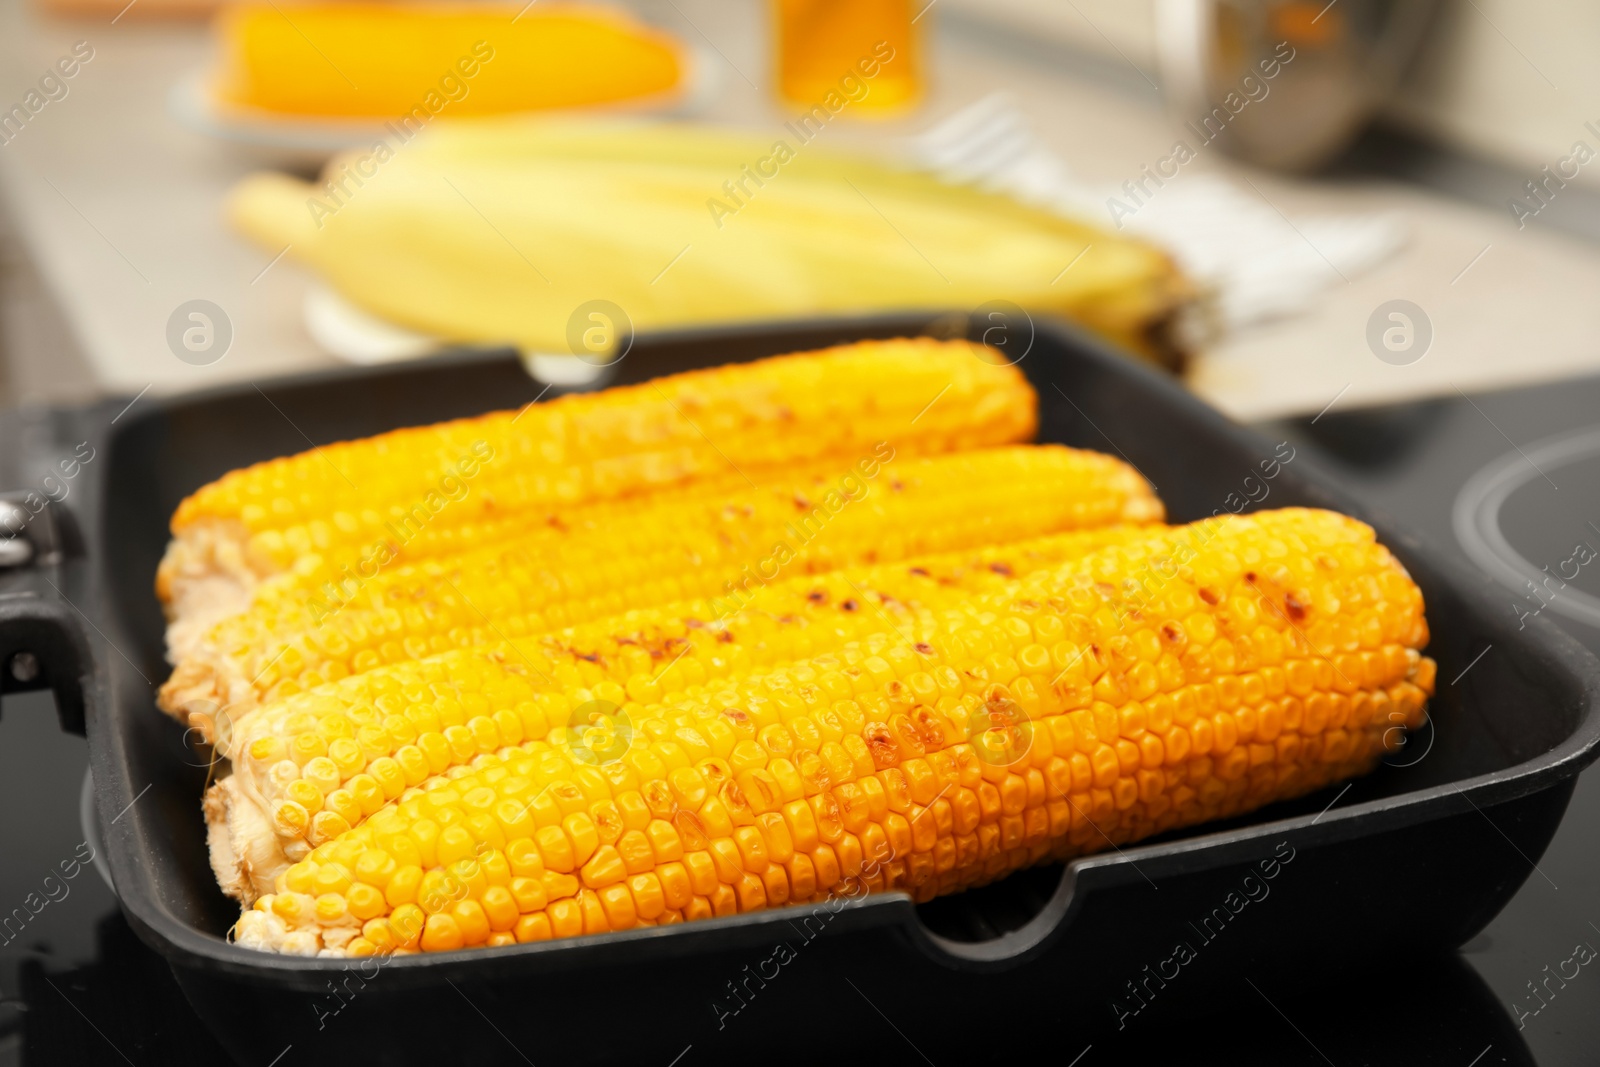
pixel 1476 517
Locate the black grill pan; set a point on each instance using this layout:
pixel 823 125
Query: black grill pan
pixel 1414 859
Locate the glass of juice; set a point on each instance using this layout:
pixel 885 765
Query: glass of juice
pixel 866 51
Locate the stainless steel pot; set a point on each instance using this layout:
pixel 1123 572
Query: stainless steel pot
pixel 1286 84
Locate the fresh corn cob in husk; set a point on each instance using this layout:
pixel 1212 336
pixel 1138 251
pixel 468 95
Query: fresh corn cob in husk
pixel 672 224
pixel 368 499
pixel 358 743
pixel 1155 684
pixel 604 559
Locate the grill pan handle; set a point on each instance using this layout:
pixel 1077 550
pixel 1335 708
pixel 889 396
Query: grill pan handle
pixel 43 644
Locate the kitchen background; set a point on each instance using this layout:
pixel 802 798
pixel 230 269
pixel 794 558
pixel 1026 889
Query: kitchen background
pixel 1468 205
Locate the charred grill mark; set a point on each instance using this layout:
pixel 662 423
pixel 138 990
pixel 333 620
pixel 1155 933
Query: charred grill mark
pixel 667 647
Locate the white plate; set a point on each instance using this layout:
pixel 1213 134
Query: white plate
pixel 346 331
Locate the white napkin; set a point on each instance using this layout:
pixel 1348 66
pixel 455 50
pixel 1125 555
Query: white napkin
pixel 1255 263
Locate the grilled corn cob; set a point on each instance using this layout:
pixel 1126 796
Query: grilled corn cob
pixel 367 499
pixel 1156 684
pixel 380 742
pixel 323 581
pixel 688 544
